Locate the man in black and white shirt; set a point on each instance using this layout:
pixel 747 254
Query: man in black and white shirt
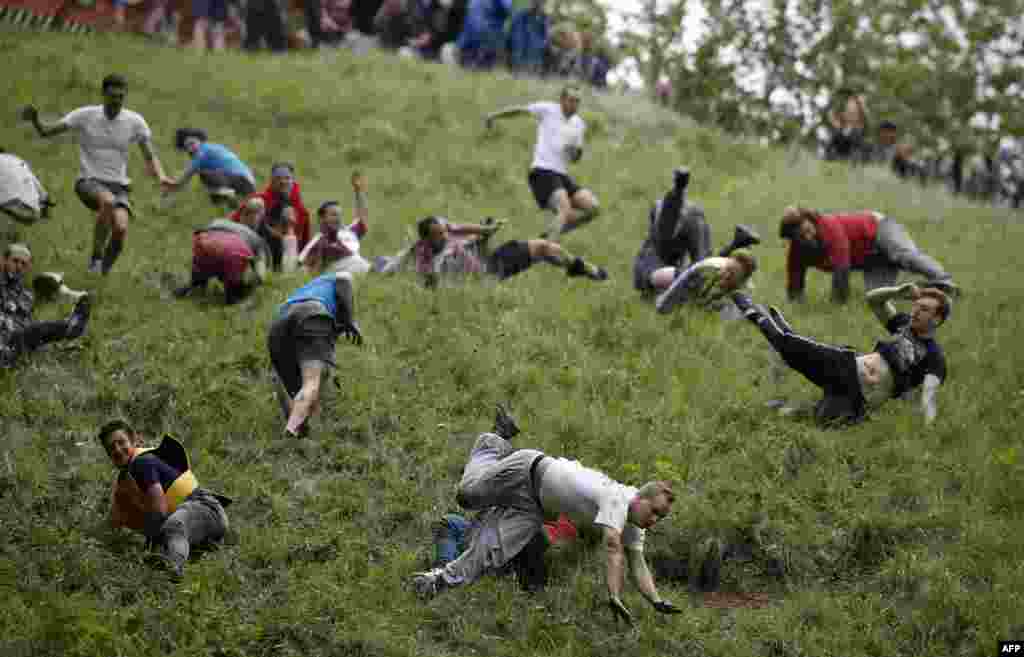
pixel 854 383
pixel 104 134
pixel 519 487
pixel 560 132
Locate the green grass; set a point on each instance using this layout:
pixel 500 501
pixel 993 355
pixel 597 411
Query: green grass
pixel 884 539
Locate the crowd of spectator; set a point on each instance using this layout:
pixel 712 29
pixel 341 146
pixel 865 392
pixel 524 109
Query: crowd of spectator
pixel 476 34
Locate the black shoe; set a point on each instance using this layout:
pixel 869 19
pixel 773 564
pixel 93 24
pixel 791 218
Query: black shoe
pixel 745 236
pixel 79 318
pixel 505 424
pixel 183 291
pixel 597 273
pixel 576 268
pixel 779 320
pixel 750 310
pixel 681 178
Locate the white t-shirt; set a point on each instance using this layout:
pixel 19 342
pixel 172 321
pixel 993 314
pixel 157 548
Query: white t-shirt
pixel 554 133
pixel 18 183
pixel 103 144
pixel 589 497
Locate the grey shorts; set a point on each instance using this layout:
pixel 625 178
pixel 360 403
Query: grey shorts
pixel 89 190
pixel 303 334
pixel 646 263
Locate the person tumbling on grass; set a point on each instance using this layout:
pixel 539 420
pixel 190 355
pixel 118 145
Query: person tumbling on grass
pixel 336 247
pixel 232 251
pixel 677 229
pixel 19 333
pixel 156 494
pixel 301 343
pixel 104 134
pixel 854 383
pixel 524 486
pixel 225 176
pixel 560 133
pixel 453 249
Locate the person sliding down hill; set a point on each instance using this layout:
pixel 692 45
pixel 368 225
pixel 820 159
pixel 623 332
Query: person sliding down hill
pixel 336 247
pixel 677 230
pixel 854 383
pixel 156 494
pixel 524 486
pixel 22 196
pixel 446 249
pixel 222 172
pixel 301 343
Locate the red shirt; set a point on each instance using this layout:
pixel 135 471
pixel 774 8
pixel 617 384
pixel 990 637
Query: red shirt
pixel 220 253
pixel 271 201
pixel 848 239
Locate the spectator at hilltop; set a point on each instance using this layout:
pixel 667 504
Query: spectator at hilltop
pixel 849 127
pixel 265 21
pixel 593 63
pixel 483 33
pixel 528 39
pixel 563 51
pixel 211 20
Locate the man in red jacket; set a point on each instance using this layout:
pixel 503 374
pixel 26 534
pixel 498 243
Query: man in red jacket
pixel 864 240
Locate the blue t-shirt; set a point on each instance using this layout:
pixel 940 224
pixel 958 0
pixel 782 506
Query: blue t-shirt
pixel 214 157
pixel 319 289
pixel 148 469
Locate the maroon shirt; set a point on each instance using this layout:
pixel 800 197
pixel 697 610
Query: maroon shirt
pixel 848 239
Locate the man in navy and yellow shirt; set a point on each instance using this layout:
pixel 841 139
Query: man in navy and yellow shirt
pixel 156 493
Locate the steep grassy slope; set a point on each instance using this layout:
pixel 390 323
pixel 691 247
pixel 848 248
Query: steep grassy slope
pixel 886 539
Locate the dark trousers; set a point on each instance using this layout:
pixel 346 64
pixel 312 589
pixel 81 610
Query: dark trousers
pixel 680 230
pixel 263 20
pixel 831 368
pixel 29 338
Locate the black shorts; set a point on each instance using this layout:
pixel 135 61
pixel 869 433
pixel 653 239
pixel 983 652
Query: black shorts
pixel 510 259
pixel 304 334
pixel 88 189
pixel 214 179
pixel 544 183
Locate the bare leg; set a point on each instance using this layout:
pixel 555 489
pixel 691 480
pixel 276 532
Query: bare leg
pixel 308 398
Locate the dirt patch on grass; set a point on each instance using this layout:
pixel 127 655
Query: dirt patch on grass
pixel 735 600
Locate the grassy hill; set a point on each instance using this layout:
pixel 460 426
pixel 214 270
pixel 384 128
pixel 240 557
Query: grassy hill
pixel 886 539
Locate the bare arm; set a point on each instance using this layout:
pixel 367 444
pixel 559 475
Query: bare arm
pixel 153 165
pixel 614 561
pixel 929 407
pixel 880 299
pixel 362 207
pixel 515 110
pixel 642 577
pixel 31 114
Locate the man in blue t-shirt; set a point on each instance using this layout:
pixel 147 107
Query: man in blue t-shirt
pixel 854 383
pixel 301 342
pixel 223 173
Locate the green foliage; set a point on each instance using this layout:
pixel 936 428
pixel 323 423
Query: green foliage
pixel 883 539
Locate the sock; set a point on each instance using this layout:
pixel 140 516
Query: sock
pixel 113 252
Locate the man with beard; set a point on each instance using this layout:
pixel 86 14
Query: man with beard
pixel 104 134
pixel 864 240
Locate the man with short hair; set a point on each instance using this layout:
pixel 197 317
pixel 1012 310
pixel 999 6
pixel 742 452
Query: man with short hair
pixel 560 133
pixel 19 333
pixel 301 342
pixel 104 134
pixel 855 383
pixel 223 173
pixel 157 494
pixel 707 283
pixel 524 486
pixel 457 249
pixel 839 242
pixel 231 251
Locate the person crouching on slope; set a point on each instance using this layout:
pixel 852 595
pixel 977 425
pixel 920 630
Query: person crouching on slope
pixel 301 343
pixel 156 494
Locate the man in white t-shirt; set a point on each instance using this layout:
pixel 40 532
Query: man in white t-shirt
pixel 559 141
pixel 519 487
pixel 104 133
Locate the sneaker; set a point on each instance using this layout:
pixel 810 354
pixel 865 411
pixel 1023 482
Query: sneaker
pixel 79 318
pixel 183 291
pixel 681 178
pixel 96 266
pixel 779 320
pixel 598 274
pixel 222 195
pixel 505 424
pixel 427 584
pixel 576 268
pixel 750 310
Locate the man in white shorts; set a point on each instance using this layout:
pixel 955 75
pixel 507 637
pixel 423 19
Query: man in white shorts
pixel 560 133
pixel 519 487
pixel 104 134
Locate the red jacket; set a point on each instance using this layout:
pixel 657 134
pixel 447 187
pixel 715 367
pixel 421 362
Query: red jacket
pixel 848 239
pixel 270 199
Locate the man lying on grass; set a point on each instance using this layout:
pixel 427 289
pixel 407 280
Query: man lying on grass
pixel 156 494
pixel 854 383
pixel 524 486
pixel 301 342
pixel 458 249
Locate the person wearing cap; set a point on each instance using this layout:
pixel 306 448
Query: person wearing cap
pixel 560 132
pixel 156 494
pixel 19 332
pixel 520 487
pixel 840 242
pixel 232 252
pixel 301 342
pixel 336 247
pixel 446 250
pixel 223 173
pixel 853 383
pixel 104 134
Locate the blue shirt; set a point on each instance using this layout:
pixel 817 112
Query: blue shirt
pixel 319 289
pixel 214 157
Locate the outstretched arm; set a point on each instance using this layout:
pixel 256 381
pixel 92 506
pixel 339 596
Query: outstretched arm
pixel 31 114
pixel 642 577
pixel 153 165
pixel 929 407
pixel 362 207
pixel 880 299
pixel 515 110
